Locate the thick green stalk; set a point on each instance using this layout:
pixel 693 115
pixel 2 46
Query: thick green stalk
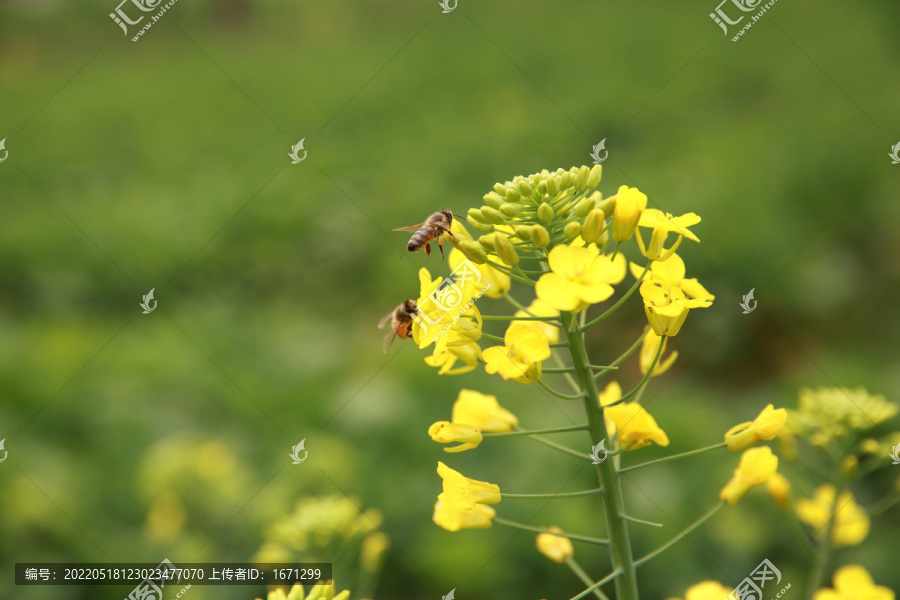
pixel 613 502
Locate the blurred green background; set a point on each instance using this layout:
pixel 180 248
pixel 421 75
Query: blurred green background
pixel 163 164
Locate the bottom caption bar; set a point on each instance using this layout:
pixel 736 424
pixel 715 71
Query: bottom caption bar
pixel 155 576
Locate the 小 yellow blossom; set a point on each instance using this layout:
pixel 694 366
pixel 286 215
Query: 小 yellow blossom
pixel 671 273
pixel 453 518
pixel 706 590
pixel 555 547
pixel 520 358
pixel 630 205
pixel 667 307
pixel 320 591
pixel 649 348
pixel 444 432
pixel 779 488
pixel 757 466
pixel 540 308
pixel 482 411
pixel 662 224
pixel 465 493
pixel 853 582
pixel 580 276
pixel 764 427
pixel 850 525
pixel 630 422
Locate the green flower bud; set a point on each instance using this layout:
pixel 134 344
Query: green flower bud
pixel 509 210
pixel 513 195
pixel 572 230
pixel 473 251
pixel 478 215
pixel 523 232
pixel 545 212
pixel 493 199
pixel 542 188
pixel 596 174
pixel 608 205
pixel 553 187
pixel 540 237
pixel 493 215
pixel 584 206
pixel 593 225
pixel 581 178
pixel 500 189
pixel 487 242
pixel 482 227
pixel 525 188
pixel 565 181
pixel 505 250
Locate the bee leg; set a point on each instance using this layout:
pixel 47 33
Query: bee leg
pixel 441 246
pixel 427 251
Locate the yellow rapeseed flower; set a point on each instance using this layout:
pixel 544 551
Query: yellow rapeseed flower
pixel 494 281
pixel 630 204
pixel 580 276
pixel 757 466
pixel 662 224
pixel 455 345
pixel 630 422
pixel 706 590
pixel 853 582
pixel 320 591
pixel 764 427
pixel 540 308
pixel 779 488
pixel 444 432
pixel 667 307
pixel 555 547
pixel 851 523
pixel 482 411
pixel 649 347
pixel 453 518
pixel 520 357
pixel 465 493
pixel 671 273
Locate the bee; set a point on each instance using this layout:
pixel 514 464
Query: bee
pixel 401 319
pixel 432 229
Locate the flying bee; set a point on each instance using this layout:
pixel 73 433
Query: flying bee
pixel 432 229
pixel 401 320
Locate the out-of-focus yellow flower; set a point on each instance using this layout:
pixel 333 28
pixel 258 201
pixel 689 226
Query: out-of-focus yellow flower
pixel 630 422
pixel 662 224
pixel 779 488
pixel 671 273
pixel 649 347
pixel 851 523
pixel 165 519
pixel 520 358
pixel 757 466
pixel 321 591
pixel 853 582
pixel 630 205
pixel 667 307
pixel 555 547
pixel 825 413
pixel 706 590
pixel 453 518
pixel 540 308
pixel 764 427
pixel 444 432
pixel 465 493
pixel 482 411
pixel 371 554
pixel 579 277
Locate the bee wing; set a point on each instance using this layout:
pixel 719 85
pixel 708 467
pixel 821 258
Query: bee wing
pixel 412 228
pixel 385 320
pixel 388 340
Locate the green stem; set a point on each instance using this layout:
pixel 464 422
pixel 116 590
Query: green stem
pixel 646 378
pixel 536 431
pixel 593 492
pixel 621 301
pixel 550 390
pixel 560 447
pixel 648 557
pixel 567 374
pixel 673 457
pixel 557 370
pixel 597 585
pixel 624 356
pixel 641 521
pixel 584 577
pixel 613 501
pixel 553 320
pixel 571 536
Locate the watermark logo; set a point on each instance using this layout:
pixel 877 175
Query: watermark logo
pixel 895 153
pixel 148 298
pixel 596 450
pixel 295 452
pixel 895 454
pixel 449 6
pixel 123 19
pixel 450 595
pixel 723 16
pixel 745 304
pixel 5 452
pixel 295 153
pixel 751 588
pixel 595 154
pixel 448 295
pixel 6 152
pixel 151 588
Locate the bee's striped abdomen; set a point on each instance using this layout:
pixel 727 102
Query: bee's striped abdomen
pixel 420 238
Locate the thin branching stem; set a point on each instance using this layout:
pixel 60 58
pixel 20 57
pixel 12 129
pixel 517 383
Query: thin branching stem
pixel 560 395
pixel 673 457
pixel 621 301
pixel 646 378
pixel 650 556
pixel 603 581
pixel 571 536
pixel 593 492
pixel 521 432
pixel 584 577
